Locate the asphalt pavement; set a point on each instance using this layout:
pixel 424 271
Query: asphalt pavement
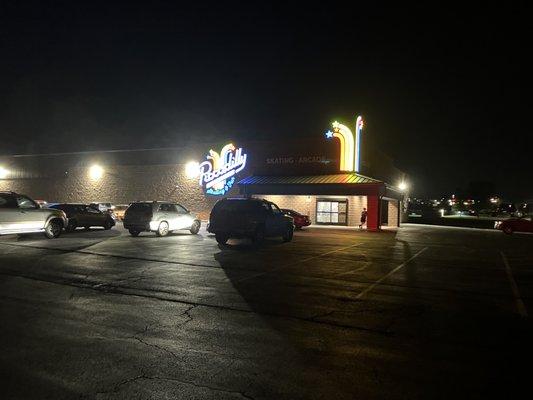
pixel 421 312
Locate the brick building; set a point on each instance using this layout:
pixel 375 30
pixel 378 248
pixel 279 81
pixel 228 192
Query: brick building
pixel 303 175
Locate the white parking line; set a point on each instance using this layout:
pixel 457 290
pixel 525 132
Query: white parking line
pixel 297 262
pixel 352 271
pixel 372 286
pixel 514 287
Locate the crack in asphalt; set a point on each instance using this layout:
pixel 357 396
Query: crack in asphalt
pixel 164 349
pixel 255 272
pixel 185 349
pixel 136 378
pixel 189 316
pixel 81 250
pixel 116 291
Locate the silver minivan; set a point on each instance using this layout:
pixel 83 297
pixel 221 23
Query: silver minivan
pixel 160 217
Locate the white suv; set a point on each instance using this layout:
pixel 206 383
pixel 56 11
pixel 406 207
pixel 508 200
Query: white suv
pixel 160 217
pixel 20 214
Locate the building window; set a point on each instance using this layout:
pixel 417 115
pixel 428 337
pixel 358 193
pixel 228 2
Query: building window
pixel 331 212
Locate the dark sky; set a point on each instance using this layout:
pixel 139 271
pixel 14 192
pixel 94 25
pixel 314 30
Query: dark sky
pixel 444 91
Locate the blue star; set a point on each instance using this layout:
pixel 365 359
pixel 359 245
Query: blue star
pixel 329 134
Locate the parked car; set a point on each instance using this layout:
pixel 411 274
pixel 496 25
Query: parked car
pixel 249 218
pixel 20 214
pixel 524 210
pixel 105 208
pixel 515 225
pixel 505 209
pixel 102 206
pixel 160 217
pixel 119 210
pixel 300 220
pixel 42 203
pixel 83 215
pixel 468 213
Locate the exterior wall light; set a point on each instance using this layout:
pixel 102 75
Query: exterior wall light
pixel 192 170
pixel 3 173
pixel 402 186
pixel 96 172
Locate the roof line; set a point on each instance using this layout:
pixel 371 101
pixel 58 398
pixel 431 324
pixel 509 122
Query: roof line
pixel 92 152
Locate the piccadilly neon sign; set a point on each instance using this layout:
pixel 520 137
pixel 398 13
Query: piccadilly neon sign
pixel 350 154
pixel 217 173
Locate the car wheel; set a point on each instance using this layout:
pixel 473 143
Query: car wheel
pixel 72 225
pixel 259 236
pixel 107 225
pixel 134 233
pixel 53 229
pixel 163 229
pixel 287 236
pixel 508 230
pixel 195 227
pixel 221 239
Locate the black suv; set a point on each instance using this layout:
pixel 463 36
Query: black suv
pixel 249 218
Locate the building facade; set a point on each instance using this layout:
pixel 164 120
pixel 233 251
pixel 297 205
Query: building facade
pixel 310 176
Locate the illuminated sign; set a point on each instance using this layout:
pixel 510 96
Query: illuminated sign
pixel 217 173
pixel 350 154
pixel 358 128
pixel 297 160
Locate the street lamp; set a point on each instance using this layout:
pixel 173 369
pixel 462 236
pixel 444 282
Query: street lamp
pixel 96 172
pixel 3 173
pixel 402 186
pixel 192 170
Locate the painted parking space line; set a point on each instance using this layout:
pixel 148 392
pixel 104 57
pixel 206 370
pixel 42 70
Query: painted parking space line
pixel 520 306
pixel 373 285
pixel 352 271
pixel 298 262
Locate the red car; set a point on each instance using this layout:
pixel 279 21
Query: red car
pixel 299 220
pixel 515 225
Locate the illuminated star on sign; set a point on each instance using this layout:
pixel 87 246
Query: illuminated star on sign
pixel 329 134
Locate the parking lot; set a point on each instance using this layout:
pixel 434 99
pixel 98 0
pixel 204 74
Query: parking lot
pixel 422 312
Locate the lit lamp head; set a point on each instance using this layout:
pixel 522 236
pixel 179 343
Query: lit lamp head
pixel 96 172
pixel 192 170
pixel 3 173
pixel 402 186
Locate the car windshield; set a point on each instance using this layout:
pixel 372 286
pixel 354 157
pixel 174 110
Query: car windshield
pixel 26 202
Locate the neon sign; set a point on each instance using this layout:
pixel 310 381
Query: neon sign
pixel 350 154
pixel 217 173
pixel 358 128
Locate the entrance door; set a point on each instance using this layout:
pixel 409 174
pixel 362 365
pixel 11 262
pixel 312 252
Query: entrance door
pixel 331 212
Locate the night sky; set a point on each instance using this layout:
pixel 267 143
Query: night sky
pixel 445 92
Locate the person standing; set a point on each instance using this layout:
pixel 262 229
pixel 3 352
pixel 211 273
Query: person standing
pixel 364 214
